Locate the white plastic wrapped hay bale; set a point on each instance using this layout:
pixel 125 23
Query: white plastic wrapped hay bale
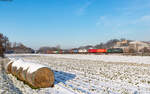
pixel 36 75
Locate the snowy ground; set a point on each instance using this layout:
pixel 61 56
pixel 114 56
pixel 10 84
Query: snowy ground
pixel 106 58
pixel 90 74
pixel 6 84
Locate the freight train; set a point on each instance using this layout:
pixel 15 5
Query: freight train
pixel 84 51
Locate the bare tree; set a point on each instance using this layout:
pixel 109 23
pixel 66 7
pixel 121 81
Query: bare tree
pixel 3 44
pixel 145 50
pixel 132 50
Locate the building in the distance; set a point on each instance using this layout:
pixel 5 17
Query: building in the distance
pixel 123 45
pixel 135 46
pixel 139 45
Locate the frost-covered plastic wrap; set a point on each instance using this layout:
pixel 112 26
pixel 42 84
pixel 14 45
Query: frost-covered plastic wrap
pixel 35 75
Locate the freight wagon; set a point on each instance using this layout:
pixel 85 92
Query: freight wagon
pixel 97 51
pixel 92 50
pixel 75 51
pixel 82 51
pixel 49 52
pixel 60 51
pixel 101 50
pixel 66 51
pixel 115 50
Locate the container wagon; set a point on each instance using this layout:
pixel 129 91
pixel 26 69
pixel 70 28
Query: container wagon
pixel 92 50
pixel 75 51
pixel 115 50
pixel 101 50
pixel 82 51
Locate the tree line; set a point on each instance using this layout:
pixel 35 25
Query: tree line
pixel 108 44
pixel 6 46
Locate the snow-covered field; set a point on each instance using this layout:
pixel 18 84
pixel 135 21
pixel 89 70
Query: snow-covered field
pixel 89 74
pixel 106 58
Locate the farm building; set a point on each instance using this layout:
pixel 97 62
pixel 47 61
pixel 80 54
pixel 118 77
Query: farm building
pixel 139 45
pixel 123 45
pixel 134 45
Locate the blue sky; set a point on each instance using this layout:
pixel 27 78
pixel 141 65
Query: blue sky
pixel 72 23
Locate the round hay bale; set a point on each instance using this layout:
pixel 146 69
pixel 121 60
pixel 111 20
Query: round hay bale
pixel 18 73
pixel 7 64
pixel 34 74
pixel 23 74
pixel 9 68
pixel 14 71
pixel 29 79
pixel 41 78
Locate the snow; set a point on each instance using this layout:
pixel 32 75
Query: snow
pixel 105 58
pixel 91 74
pixel 6 84
pixel 31 66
